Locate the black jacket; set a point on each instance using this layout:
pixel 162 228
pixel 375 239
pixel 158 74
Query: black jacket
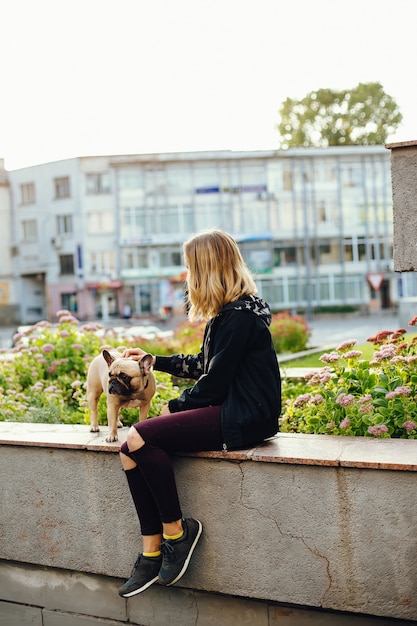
pixel 237 368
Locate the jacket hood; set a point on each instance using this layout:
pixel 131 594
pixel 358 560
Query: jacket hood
pixel 252 304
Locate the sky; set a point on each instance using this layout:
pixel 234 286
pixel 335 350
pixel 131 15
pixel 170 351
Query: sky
pixel 91 77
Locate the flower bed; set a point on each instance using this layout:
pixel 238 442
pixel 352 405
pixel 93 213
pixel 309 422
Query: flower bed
pixel 42 379
pixel 352 396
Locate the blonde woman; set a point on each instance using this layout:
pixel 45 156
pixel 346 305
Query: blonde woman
pixel 234 403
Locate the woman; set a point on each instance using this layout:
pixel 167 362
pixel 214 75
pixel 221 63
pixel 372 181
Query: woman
pixel 235 403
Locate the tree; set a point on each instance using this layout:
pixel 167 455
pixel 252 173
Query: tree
pixel 364 115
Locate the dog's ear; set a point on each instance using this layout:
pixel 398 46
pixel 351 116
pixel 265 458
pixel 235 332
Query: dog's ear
pixel 145 364
pixel 108 357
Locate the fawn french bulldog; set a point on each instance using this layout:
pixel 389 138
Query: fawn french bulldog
pixel 126 383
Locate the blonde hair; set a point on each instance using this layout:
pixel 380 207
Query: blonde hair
pixel 217 273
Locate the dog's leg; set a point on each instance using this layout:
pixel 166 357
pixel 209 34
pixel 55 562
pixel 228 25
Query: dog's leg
pixel 144 410
pixel 92 398
pixel 112 418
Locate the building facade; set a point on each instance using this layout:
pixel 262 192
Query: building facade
pixel 102 236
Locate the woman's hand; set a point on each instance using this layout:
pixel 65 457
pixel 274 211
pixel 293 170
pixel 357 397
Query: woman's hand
pixel 133 353
pixel 165 410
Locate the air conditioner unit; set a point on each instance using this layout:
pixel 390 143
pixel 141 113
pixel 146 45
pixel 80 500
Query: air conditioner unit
pixel 56 242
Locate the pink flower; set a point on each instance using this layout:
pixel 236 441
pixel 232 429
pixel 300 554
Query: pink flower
pixel 399 359
pixel 325 375
pixel 345 399
pixel 347 344
pixel 317 399
pixel 48 347
pixel 400 391
pixel 377 430
pixel 43 324
pixel 366 408
pixel 352 354
pixel 64 333
pixel 409 425
pixel 386 352
pixel 318 378
pixel 345 423
pixel 303 399
pixel 92 327
pixel 329 357
pixel 383 334
pixel 68 318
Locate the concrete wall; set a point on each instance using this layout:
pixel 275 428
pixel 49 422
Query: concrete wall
pixel 404 197
pixel 303 524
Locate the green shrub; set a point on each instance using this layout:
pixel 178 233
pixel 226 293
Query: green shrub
pixel 188 337
pixel 290 333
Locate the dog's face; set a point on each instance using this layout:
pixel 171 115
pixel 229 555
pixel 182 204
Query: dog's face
pixel 128 378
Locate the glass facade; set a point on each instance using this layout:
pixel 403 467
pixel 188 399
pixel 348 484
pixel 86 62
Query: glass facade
pixel 311 224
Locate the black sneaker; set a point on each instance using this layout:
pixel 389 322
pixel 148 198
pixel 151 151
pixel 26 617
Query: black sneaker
pixel 176 553
pixel 144 574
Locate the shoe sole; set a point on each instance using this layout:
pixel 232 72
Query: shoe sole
pixel 133 593
pixel 190 554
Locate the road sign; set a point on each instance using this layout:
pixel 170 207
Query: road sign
pixel 375 280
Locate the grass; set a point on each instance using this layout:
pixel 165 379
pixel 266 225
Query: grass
pixel 313 360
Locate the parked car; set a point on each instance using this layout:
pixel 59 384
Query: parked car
pixel 147 332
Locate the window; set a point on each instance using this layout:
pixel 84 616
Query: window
pixel 66 264
pixel 131 178
pixel 100 222
pixel 69 302
pixel 29 230
pixel 62 187
pixel 133 221
pixel 132 259
pixel 64 224
pixel 287 180
pixel 169 258
pixel 288 255
pixel 27 193
pixel 98 183
pixel 102 262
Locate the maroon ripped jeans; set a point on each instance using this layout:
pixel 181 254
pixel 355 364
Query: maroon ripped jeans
pixel 152 483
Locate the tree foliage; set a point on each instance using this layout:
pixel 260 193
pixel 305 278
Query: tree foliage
pixel 364 115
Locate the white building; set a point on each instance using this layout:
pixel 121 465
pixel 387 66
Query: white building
pixel 92 234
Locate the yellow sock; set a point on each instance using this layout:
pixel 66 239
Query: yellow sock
pixel 173 537
pixel 151 554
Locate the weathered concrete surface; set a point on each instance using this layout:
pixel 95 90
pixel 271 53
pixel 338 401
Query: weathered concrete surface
pixel 310 535
pixel 404 195
pixel 38 596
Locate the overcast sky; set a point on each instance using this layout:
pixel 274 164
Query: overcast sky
pixel 87 77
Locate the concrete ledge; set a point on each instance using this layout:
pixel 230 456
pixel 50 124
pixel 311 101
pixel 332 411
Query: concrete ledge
pixel 360 452
pixel 304 520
